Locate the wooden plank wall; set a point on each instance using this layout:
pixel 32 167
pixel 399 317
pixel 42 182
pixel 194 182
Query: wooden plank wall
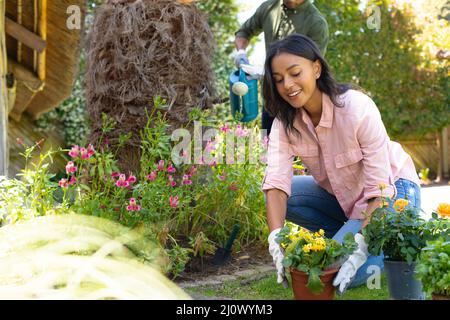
pixel 27 132
pixel 425 153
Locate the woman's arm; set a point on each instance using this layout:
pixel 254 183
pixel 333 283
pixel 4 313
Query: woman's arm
pixel 372 205
pixel 276 203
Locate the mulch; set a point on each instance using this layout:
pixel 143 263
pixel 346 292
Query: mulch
pixel 246 258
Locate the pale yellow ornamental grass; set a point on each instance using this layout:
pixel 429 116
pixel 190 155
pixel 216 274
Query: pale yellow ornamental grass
pixel 79 257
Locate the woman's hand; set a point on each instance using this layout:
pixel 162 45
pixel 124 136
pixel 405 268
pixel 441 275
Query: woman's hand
pixel 373 204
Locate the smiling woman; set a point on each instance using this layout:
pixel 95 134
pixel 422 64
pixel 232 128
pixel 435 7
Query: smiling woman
pixel 339 135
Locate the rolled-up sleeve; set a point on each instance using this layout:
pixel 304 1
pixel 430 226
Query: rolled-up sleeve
pixel 280 157
pixel 374 141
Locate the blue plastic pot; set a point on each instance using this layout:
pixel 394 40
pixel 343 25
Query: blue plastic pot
pixel 401 280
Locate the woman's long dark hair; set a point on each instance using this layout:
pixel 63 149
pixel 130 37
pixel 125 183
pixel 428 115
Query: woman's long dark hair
pixel 301 46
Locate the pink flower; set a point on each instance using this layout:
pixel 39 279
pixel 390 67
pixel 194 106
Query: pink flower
pixel 222 177
pixel 186 179
pixel 133 206
pixel 86 153
pixel 160 165
pixel 152 176
pixel 171 169
pixel 20 141
pixel 213 163
pixel 131 179
pixel 90 150
pixel 72 180
pixel 70 167
pixel 233 187
pixel 241 132
pixel 74 152
pixel 83 153
pixel 171 181
pixel 115 174
pixel 63 183
pixel 122 182
pixel 225 128
pixel 192 171
pixel 173 201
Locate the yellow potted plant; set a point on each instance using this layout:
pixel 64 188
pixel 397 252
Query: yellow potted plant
pixel 310 258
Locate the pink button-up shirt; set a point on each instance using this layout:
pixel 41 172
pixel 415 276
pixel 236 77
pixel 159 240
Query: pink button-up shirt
pixel 349 153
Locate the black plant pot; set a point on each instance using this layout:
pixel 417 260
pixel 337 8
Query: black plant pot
pixel 402 283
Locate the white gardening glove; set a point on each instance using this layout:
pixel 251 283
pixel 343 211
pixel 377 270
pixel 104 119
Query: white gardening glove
pixel 240 57
pixel 351 265
pixel 277 255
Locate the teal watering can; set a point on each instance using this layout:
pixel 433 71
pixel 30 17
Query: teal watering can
pixel 243 95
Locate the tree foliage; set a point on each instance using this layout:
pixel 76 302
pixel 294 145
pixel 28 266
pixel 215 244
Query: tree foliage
pixel 395 64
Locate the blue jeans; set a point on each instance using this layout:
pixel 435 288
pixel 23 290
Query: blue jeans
pixel 313 208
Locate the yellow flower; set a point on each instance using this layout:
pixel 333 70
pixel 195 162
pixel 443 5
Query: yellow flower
pixel 319 233
pixel 400 205
pixel 444 210
pixel 382 186
pixel 298 167
pixel 307 248
pixel 384 203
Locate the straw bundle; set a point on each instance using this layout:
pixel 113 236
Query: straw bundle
pixel 140 50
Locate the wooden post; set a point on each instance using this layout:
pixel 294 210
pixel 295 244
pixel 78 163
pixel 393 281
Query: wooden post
pixel 444 149
pixel 43 34
pixel 4 152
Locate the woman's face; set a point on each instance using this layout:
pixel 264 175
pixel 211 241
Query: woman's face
pixel 295 78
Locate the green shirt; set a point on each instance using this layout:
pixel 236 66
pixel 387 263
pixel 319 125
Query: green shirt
pixel 305 19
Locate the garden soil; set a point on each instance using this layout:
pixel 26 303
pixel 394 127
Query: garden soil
pixel 245 262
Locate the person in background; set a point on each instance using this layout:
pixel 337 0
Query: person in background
pixel 278 19
pixel 338 133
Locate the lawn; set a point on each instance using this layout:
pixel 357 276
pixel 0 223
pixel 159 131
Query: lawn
pixel 268 289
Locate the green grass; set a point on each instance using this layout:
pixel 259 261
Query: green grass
pixel 268 289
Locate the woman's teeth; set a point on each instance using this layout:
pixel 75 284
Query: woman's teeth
pixel 293 94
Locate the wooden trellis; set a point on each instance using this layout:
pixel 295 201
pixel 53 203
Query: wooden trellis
pixel 35 40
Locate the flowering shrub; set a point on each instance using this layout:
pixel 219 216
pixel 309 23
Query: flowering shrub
pixel 188 207
pixel 401 234
pixel 312 253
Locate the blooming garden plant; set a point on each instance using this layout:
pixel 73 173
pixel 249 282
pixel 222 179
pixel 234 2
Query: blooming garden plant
pixel 433 266
pixel 311 252
pixel 401 233
pixel 189 207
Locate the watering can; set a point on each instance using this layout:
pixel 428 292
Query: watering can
pixel 243 95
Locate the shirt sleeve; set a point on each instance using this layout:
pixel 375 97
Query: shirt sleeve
pixel 374 143
pixel 280 158
pixel 253 26
pixel 320 34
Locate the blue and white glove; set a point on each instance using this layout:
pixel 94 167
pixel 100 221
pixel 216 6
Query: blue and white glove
pixel 278 256
pixel 240 58
pixel 348 269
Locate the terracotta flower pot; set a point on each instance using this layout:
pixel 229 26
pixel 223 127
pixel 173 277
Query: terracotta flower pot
pixel 301 291
pixel 437 296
